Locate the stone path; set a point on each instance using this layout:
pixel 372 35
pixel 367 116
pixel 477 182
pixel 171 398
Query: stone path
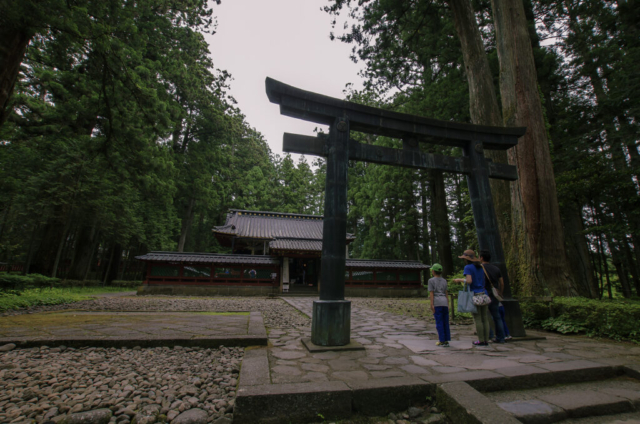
pixel 118 329
pixel 397 346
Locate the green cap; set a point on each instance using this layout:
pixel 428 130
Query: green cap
pixel 436 267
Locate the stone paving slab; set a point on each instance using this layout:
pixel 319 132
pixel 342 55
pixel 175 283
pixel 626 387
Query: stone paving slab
pixel 400 346
pixel 400 353
pixel 130 329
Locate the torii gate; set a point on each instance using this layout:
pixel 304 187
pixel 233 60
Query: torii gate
pixel 331 321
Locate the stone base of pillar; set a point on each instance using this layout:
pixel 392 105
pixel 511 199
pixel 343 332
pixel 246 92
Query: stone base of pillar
pixel 513 317
pixel 331 322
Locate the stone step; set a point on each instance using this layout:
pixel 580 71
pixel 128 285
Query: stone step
pixel 572 401
pixel 627 418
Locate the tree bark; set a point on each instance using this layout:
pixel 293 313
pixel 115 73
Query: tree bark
pixel 13 46
pixel 60 246
pixel 578 253
pixel 94 246
pixel 537 227
pixel 426 251
pixel 483 107
pixel 186 224
pixel 114 263
pixel 441 221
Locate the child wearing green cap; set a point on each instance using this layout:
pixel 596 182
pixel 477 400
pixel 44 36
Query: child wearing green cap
pixel 437 287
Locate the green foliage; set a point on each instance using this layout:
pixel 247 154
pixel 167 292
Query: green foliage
pixel 615 319
pixel 80 283
pixel 20 282
pixel 48 296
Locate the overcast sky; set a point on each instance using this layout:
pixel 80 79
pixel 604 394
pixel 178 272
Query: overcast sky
pixel 287 40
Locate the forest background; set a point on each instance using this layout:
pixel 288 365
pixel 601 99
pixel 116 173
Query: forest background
pixel 118 137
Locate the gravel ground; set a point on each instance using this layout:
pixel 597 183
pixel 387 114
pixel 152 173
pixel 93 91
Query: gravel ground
pixel 276 312
pixel 147 384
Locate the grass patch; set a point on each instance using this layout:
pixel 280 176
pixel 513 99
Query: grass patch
pixel 46 296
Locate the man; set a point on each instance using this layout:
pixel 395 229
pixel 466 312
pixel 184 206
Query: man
pixel 494 279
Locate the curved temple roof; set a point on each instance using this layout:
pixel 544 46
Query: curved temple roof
pixel 273 226
pixel 213 258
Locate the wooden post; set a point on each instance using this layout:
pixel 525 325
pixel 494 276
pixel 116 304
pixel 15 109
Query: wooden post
pixel 484 216
pixel 331 321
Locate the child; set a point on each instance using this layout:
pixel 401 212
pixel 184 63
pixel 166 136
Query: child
pixel 437 287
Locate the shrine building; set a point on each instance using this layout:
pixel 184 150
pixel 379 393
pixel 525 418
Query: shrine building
pixel 273 253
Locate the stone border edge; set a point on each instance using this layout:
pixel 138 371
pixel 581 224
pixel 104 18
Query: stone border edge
pixel 260 401
pixel 210 342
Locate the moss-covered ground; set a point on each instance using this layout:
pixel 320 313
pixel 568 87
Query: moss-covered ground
pixel 50 296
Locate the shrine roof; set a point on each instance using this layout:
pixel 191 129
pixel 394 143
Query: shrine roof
pixel 208 258
pixel 296 245
pixel 214 258
pixel 272 225
pixel 381 263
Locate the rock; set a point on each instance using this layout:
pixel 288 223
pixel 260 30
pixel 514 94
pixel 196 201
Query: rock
pixel 223 420
pixel 28 395
pixel 172 414
pixel 98 416
pixel 435 419
pixel 51 413
pixel 414 412
pixel 78 407
pixel 434 410
pixel 148 414
pixel 125 411
pixel 59 419
pixel 192 416
pixel 7 347
pixel 189 390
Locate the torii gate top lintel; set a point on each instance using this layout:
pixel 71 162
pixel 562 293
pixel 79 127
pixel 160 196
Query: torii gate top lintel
pixel 321 109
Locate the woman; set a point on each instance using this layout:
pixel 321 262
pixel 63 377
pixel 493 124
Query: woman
pixel 474 276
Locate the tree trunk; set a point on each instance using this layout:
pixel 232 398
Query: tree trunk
pixel 636 249
pixel 441 221
pixel 578 253
pixel 114 263
pixel 13 46
pixel 426 252
pixel 619 263
pixel 32 240
pixel 536 215
pixel 484 108
pixel 186 224
pixel 460 211
pixel 94 245
pixel 60 246
pixel 83 252
pixel 106 271
pixel 633 269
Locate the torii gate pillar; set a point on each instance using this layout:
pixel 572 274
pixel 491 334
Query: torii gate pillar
pixel 331 321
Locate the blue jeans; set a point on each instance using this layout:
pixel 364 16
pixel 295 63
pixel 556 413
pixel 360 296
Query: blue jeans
pixel 494 311
pixel 442 323
pixel 504 323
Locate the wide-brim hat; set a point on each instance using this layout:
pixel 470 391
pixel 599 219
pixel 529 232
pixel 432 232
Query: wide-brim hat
pixel 469 255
